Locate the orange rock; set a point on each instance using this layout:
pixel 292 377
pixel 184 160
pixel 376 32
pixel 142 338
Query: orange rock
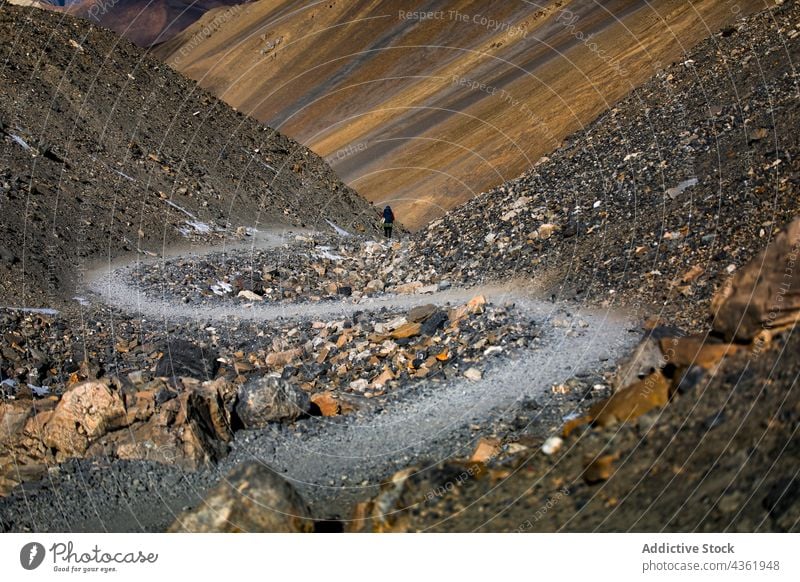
pixel 381 380
pixel 85 413
pixel 326 402
pixel 694 350
pixel 475 305
pixel 407 330
pixel 283 358
pixel 627 404
pixel 487 449
pixel 692 274
pixel 408 288
pixel 444 355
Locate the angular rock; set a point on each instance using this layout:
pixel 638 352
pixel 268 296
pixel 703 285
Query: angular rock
pixel 421 313
pixel 283 358
pixel 473 374
pixel 251 498
pixel 486 450
pixel 85 413
pixel 407 330
pixel 326 402
pixel 374 286
pixel 408 288
pixel 269 399
pixel 627 404
pixel 249 295
pixel 183 358
pixel 763 295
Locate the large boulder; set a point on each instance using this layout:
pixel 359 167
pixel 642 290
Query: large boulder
pixel 251 498
pixel 765 294
pixel 192 430
pixel 270 399
pixel 85 413
pixel 183 358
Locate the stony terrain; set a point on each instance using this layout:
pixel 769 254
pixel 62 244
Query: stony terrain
pixel 658 201
pixel 106 152
pixel 425 384
pixel 670 196
pixel 311 268
pixel 421 382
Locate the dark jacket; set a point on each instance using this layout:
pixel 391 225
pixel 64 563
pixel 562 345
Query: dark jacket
pixel 388 215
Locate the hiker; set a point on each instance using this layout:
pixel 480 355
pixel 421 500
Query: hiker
pixel 388 221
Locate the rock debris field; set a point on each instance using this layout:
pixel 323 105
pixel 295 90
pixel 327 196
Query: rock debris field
pixel 335 391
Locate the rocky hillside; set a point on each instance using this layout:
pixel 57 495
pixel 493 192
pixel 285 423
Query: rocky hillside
pixel 657 202
pixel 425 104
pixel 671 197
pixel 105 151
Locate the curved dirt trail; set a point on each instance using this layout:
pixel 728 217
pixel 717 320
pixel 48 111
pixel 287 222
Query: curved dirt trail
pixel 335 461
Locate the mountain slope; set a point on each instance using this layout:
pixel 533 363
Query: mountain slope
pixel 427 111
pixel 614 218
pixel 105 151
pixel 653 205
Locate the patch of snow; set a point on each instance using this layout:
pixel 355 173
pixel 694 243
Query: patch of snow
pixel 39 391
pixel 260 161
pixel 180 209
pixel 20 141
pixel 124 175
pixel 9 383
pixel 81 300
pixel 324 252
pixel 221 288
pixel 678 190
pixel 195 224
pixel 200 227
pixel 339 230
pixel 118 172
pixel 41 310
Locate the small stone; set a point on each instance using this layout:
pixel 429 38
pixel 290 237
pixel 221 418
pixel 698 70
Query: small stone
pixel 249 295
pixel 552 445
pixel 359 385
pixel 270 399
pixel 486 450
pixel 473 374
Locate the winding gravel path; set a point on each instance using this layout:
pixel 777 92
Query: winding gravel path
pixel 336 461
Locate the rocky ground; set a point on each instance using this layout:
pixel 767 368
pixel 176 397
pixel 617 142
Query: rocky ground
pixel 106 152
pixel 418 384
pixel 311 267
pixel 658 200
pixel 424 384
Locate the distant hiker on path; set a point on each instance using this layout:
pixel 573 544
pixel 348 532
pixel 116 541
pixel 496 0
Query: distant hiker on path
pixel 388 221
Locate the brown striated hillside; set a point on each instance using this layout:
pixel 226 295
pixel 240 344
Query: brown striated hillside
pixel 426 112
